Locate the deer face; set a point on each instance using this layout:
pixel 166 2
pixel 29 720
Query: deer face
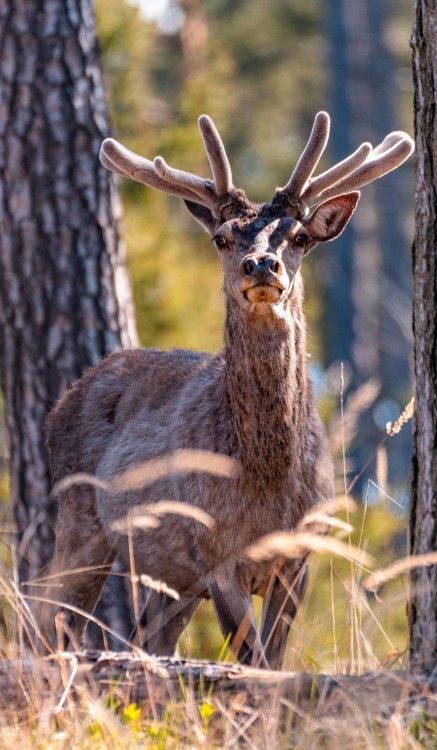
pixel 260 259
pixel 261 256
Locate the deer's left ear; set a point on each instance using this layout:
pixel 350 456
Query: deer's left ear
pixel 330 218
pixel 203 215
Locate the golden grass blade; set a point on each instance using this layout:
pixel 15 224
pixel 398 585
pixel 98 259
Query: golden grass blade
pixel 381 576
pixel 75 665
pixel 324 519
pixel 75 480
pixel 147 516
pixel 42 580
pixel 146 472
pixel 407 414
pixel 323 514
pixel 182 461
pixel 143 521
pixel 9 589
pixel 9 528
pixel 341 502
pixel 343 427
pixel 182 509
pixel 294 544
pixel 159 586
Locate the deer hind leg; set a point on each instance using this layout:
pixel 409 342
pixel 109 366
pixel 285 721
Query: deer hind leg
pixel 236 617
pixel 162 622
pixel 283 597
pixel 83 560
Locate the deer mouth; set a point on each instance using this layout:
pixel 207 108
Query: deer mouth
pixel 263 293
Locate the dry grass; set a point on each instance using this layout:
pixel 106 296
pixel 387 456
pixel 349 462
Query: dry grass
pixel 341 628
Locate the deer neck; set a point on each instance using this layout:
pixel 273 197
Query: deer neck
pixel 265 386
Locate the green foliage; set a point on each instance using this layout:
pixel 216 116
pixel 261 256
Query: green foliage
pixel 126 45
pixel 424 731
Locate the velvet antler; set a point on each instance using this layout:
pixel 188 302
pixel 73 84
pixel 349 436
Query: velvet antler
pixel 212 194
pixel 363 166
pixel 300 194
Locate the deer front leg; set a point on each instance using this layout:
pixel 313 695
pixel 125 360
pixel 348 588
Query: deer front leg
pixel 283 597
pixel 162 622
pixel 236 618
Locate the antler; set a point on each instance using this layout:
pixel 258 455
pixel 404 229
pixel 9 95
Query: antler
pixel 214 194
pixel 303 191
pixel 300 194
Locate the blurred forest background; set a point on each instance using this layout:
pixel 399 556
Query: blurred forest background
pixel 261 71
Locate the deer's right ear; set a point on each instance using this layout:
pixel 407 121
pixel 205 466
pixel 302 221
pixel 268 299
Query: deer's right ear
pixel 203 215
pixel 330 218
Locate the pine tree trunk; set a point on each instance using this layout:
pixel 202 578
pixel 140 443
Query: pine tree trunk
pixel 423 604
pixel 64 294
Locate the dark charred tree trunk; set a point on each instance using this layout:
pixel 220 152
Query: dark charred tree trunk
pixel 423 605
pixel 64 294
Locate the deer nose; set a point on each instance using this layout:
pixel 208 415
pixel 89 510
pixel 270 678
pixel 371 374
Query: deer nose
pixel 261 266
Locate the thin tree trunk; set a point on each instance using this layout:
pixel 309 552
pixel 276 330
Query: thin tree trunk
pixel 338 330
pixel 351 328
pixel 365 277
pixel 423 604
pixel 64 294
pixel 393 195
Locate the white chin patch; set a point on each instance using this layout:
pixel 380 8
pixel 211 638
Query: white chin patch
pixel 261 309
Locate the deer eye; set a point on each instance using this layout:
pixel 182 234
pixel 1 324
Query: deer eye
pixel 301 240
pixel 219 241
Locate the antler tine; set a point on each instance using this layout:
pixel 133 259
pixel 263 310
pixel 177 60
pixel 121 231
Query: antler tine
pixel 121 160
pixel 337 172
pixel 200 187
pixel 217 157
pixel 391 153
pixel 208 192
pixel 108 164
pixel 159 174
pixel 390 140
pixel 310 156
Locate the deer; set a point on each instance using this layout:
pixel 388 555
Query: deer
pixel 252 402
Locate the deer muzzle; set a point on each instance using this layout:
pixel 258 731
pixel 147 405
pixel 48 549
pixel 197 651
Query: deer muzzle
pixel 263 278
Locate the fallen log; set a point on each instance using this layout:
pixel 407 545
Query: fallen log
pixel 139 678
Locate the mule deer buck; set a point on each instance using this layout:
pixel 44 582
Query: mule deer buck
pixel 252 402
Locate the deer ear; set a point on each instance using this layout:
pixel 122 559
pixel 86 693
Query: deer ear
pixel 203 215
pixel 330 218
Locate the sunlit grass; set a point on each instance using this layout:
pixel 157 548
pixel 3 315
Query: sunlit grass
pixel 340 628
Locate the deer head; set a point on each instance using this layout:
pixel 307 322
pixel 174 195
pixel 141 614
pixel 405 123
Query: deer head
pixel 261 246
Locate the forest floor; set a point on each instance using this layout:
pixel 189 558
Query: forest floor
pixel 128 700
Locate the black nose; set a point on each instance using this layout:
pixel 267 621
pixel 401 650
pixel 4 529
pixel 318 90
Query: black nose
pixel 264 264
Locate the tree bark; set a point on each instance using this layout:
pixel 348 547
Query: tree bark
pixel 64 294
pixel 423 603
